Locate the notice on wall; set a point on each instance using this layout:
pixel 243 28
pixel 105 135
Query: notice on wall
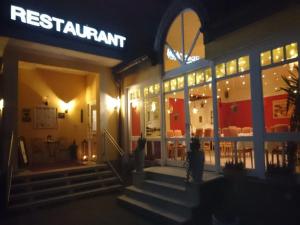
pixel 45 117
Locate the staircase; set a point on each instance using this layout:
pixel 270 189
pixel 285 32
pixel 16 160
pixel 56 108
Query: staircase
pixel 43 188
pixel 162 197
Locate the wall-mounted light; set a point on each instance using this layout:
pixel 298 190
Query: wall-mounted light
pixel 1 104
pixel 66 107
pixel 118 103
pixel 94 157
pixel 45 100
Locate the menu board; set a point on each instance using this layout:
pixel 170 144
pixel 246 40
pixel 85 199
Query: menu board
pixel 45 117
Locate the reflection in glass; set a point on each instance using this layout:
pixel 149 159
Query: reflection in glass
pixel 277 54
pixel 231 67
pixel 191 79
pixel 265 58
pixel 243 63
pixel 220 70
pixel 291 51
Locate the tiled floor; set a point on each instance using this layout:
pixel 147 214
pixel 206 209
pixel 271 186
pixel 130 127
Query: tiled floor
pixel 180 172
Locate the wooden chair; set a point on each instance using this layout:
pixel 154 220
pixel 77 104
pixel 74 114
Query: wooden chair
pixel 170 145
pixel 207 145
pixel 247 130
pixel 199 132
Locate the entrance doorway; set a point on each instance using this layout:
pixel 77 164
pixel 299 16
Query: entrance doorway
pixel 58 115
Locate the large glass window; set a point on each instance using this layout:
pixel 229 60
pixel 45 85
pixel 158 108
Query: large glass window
pixel 175 119
pixel 152 109
pixel 201 110
pixel 184 42
pixel 234 106
pixel 235 111
pixel 280 83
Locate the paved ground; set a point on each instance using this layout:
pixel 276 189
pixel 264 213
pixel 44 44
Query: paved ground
pixel 98 210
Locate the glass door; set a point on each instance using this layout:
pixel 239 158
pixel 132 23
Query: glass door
pixel 175 122
pixel 134 117
pixel 201 112
pixel 152 122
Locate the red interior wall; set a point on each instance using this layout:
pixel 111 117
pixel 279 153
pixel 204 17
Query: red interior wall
pixel 177 117
pixel 241 118
pixel 268 109
pixel 135 122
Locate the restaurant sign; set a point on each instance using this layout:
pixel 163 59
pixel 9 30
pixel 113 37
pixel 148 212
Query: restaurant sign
pixel 48 22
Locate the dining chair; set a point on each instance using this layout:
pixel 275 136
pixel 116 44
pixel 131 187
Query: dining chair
pixel 199 132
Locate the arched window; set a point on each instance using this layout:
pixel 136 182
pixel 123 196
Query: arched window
pixel 184 41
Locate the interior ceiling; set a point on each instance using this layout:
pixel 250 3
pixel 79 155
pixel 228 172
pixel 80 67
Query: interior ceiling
pixel 70 54
pixel 36 66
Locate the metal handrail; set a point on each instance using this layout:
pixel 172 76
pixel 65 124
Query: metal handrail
pixel 114 142
pixel 9 168
pixel 109 137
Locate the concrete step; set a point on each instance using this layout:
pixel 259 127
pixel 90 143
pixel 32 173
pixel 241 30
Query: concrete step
pixel 35 176
pixel 63 179
pixel 62 198
pixel 175 180
pixel 174 205
pixel 70 188
pixel 153 211
pixel 166 189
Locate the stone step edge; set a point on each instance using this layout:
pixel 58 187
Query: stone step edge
pixel 61 179
pixel 61 171
pixel 161 197
pixel 63 187
pixel 166 185
pixel 153 209
pixel 65 197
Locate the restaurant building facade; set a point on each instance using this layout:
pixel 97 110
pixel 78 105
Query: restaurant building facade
pixel 218 76
pixel 227 91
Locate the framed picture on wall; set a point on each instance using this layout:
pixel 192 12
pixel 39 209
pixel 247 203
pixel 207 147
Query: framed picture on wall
pixel 45 117
pixel 26 115
pixel 279 109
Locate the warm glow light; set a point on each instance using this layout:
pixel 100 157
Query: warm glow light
pixel 135 103
pixel 195 110
pixel 84 157
pixel 1 104
pixel 66 106
pixel 153 107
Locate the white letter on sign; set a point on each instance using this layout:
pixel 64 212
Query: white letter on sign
pixel 16 11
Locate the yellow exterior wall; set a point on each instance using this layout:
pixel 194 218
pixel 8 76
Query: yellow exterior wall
pixel 278 26
pixel 144 74
pixel 35 83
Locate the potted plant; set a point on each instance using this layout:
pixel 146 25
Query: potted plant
pixel 195 161
pixel 139 154
pixel 234 169
pixel 293 105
